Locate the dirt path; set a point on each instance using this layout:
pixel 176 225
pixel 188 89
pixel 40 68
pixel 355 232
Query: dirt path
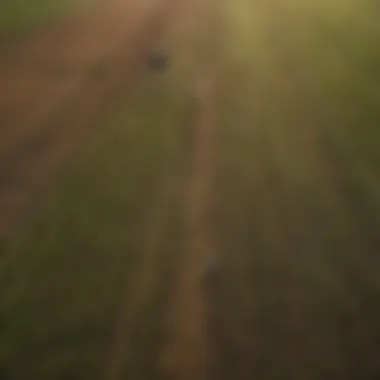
pixel 57 83
pixel 187 352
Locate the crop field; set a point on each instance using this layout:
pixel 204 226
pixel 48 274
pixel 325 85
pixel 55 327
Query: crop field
pixel 214 219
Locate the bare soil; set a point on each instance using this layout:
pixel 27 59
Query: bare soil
pixel 57 83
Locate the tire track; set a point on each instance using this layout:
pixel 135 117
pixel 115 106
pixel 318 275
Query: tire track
pixel 188 352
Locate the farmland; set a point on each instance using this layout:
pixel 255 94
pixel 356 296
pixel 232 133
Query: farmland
pixel 254 151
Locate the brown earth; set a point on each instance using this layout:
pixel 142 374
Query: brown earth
pixel 187 353
pixel 57 83
pixel 188 348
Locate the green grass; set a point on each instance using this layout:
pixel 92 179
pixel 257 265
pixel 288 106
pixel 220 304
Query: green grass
pixel 63 278
pixel 325 52
pixel 340 56
pixel 18 16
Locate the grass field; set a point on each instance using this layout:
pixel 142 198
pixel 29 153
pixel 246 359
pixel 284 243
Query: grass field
pixel 294 75
pixel 341 57
pixel 17 16
pixel 298 291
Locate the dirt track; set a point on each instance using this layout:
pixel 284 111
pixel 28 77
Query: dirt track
pixel 188 352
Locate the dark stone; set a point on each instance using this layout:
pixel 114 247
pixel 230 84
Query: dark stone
pixel 158 59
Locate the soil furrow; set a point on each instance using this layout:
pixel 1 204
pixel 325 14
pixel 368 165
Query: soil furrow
pixel 187 355
pixel 187 352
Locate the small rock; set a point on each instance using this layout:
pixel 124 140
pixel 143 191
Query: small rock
pixel 158 59
pixel 211 267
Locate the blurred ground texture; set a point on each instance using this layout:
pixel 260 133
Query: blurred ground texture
pixel 218 219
